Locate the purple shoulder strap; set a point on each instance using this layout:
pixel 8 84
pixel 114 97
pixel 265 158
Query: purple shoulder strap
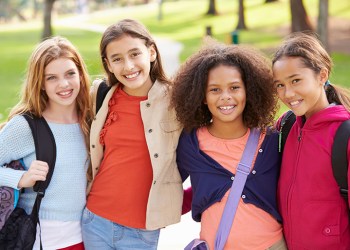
pixel 243 170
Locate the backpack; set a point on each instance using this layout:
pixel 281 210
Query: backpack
pixel 339 149
pixel 19 229
pixel 102 91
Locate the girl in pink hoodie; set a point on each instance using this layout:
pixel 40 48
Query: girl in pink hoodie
pixel 315 215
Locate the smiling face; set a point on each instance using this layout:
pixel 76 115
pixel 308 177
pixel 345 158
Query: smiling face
pixel 299 87
pixel 62 83
pixel 129 59
pixel 225 96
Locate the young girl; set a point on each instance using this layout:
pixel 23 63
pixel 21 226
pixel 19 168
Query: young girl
pixel 315 216
pixel 136 188
pixel 220 94
pixel 56 88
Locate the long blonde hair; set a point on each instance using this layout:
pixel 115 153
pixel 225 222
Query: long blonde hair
pixel 34 100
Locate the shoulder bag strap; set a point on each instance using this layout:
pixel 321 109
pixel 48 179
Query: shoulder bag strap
pixel 45 149
pixel 102 91
pixel 243 170
pixel 340 157
pixel 286 124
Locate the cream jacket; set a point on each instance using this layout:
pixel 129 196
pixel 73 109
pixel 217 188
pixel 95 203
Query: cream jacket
pixel 162 132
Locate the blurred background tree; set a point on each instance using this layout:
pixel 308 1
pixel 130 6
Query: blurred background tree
pixel 241 17
pixel 212 8
pixel 300 19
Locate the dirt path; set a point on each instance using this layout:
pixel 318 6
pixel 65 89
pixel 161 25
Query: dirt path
pixel 339 35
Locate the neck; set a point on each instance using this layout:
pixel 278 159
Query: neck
pixel 228 130
pixel 65 116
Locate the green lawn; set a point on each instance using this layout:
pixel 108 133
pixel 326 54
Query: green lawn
pixel 183 20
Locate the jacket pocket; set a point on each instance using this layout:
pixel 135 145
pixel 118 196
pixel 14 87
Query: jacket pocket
pixel 170 126
pixel 170 133
pixel 321 225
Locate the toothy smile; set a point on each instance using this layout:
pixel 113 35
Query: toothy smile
pixel 132 75
pixel 226 107
pixel 294 103
pixel 65 93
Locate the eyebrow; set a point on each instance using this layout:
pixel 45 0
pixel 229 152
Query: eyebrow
pixel 289 77
pixel 229 83
pixel 129 51
pixel 51 74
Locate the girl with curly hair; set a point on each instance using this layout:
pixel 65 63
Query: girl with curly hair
pixel 220 94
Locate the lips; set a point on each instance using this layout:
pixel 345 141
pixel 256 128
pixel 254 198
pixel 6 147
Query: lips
pixel 226 110
pixel 65 93
pixel 295 103
pixel 226 107
pixel 133 75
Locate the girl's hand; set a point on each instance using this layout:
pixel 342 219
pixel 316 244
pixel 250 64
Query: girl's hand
pixel 37 172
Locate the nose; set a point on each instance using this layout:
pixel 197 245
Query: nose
pixel 288 92
pixel 225 96
pixel 64 83
pixel 129 64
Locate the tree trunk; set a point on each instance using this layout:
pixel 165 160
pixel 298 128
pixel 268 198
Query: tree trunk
pixel 160 10
pixel 322 23
pixel 212 8
pixel 300 19
pixel 35 8
pixel 47 31
pixel 241 19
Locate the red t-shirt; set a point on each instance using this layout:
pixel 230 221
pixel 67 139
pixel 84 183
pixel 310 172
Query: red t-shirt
pixel 121 187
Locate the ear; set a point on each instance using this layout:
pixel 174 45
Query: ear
pixel 323 75
pixel 153 53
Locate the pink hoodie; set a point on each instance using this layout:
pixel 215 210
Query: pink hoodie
pixel 315 216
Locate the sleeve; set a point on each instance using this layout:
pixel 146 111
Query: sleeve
pixel 187 200
pixel 348 172
pixel 16 142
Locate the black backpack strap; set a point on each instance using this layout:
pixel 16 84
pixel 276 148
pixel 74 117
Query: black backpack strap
pixel 286 124
pixel 102 91
pixel 45 147
pixel 340 157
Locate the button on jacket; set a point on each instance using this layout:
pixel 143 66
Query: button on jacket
pixel 261 185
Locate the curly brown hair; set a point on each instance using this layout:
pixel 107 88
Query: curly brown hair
pixel 190 85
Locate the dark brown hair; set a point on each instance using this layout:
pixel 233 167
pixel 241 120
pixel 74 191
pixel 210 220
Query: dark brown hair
pixel 314 56
pixel 190 85
pixel 134 29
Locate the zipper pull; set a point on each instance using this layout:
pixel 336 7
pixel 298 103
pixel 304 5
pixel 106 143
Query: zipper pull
pixel 299 137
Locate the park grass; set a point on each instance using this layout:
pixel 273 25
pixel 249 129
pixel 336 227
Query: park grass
pixel 184 21
pixel 15 49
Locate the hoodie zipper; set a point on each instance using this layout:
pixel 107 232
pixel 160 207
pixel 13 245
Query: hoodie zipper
pixel 290 190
